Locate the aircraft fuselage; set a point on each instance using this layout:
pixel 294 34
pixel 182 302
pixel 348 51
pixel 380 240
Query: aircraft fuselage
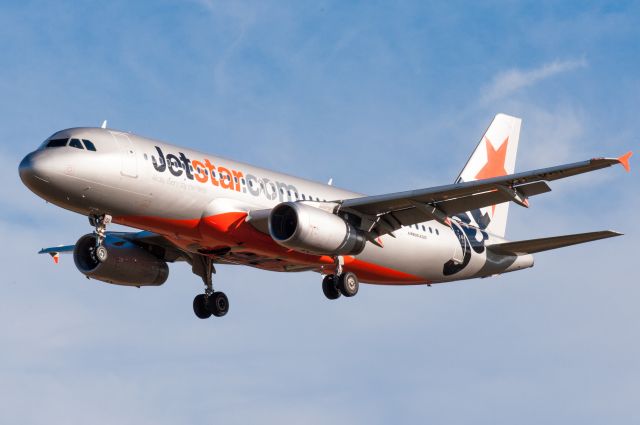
pixel 202 204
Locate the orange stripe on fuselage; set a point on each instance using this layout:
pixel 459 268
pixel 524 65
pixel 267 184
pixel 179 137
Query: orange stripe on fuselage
pixel 232 230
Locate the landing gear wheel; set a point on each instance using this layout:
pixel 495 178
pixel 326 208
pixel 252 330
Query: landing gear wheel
pixel 101 253
pixel 348 284
pixel 330 288
pixel 200 308
pixel 217 304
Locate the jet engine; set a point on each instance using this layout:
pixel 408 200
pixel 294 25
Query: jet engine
pixel 311 230
pixel 127 264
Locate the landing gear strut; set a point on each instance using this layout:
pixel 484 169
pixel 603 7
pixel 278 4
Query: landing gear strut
pixel 346 283
pixel 211 302
pixel 100 223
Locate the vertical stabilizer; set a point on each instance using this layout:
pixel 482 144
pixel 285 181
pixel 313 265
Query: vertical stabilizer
pixel 494 156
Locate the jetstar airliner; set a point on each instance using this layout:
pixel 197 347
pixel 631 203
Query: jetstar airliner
pixel 207 210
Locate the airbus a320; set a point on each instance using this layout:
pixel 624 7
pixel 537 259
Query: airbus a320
pixel 207 210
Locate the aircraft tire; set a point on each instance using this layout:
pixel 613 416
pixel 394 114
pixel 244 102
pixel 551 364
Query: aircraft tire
pixel 101 253
pixel 199 307
pixel 217 304
pixel 330 288
pixel 348 284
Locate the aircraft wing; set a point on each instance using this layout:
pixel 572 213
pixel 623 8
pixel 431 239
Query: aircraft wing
pixel 383 214
pixel 161 247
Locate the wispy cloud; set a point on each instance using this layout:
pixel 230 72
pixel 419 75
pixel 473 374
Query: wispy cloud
pixel 515 79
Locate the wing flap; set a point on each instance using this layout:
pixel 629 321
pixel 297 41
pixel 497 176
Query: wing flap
pixel 411 215
pixel 533 189
pixel 532 246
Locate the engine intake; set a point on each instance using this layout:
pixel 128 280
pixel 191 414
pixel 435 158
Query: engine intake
pixel 311 230
pixel 127 263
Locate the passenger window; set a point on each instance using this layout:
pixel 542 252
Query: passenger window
pixel 75 143
pixel 57 143
pixel 89 144
pixel 437 232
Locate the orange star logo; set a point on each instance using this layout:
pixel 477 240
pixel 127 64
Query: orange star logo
pixel 495 163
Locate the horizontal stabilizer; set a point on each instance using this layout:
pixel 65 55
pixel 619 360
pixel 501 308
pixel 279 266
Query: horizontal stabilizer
pixel 532 246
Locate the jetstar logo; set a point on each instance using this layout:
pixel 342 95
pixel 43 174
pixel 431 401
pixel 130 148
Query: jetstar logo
pixel 205 172
pixel 495 163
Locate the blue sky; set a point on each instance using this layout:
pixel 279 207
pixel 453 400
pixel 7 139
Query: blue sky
pixel 381 96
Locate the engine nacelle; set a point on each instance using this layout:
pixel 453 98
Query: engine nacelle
pixel 127 264
pixel 311 230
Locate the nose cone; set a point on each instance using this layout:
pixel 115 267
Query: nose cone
pixel 32 172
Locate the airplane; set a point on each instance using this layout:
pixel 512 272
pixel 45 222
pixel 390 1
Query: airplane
pixel 208 210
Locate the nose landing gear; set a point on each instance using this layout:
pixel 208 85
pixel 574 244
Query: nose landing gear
pixel 100 223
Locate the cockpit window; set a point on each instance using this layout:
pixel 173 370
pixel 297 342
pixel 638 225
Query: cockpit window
pixel 75 143
pixel 90 146
pixel 57 143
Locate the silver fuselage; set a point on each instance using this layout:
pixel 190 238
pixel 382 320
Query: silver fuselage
pixel 193 198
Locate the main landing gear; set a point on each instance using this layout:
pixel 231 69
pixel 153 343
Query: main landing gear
pixel 210 303
pixel 100 223
pixel 346 283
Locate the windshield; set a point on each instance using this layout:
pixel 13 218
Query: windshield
pixel 56 143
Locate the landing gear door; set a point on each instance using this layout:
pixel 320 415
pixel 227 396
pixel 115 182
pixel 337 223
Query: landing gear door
pixel 129 163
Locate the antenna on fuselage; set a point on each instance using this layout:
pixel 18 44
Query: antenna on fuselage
pixel 330 182
pixel 104 124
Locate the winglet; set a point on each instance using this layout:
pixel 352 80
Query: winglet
pixel 624 160
pixel 104 124
pixel 55 256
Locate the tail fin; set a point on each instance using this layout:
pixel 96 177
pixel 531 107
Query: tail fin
pixel 494 156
